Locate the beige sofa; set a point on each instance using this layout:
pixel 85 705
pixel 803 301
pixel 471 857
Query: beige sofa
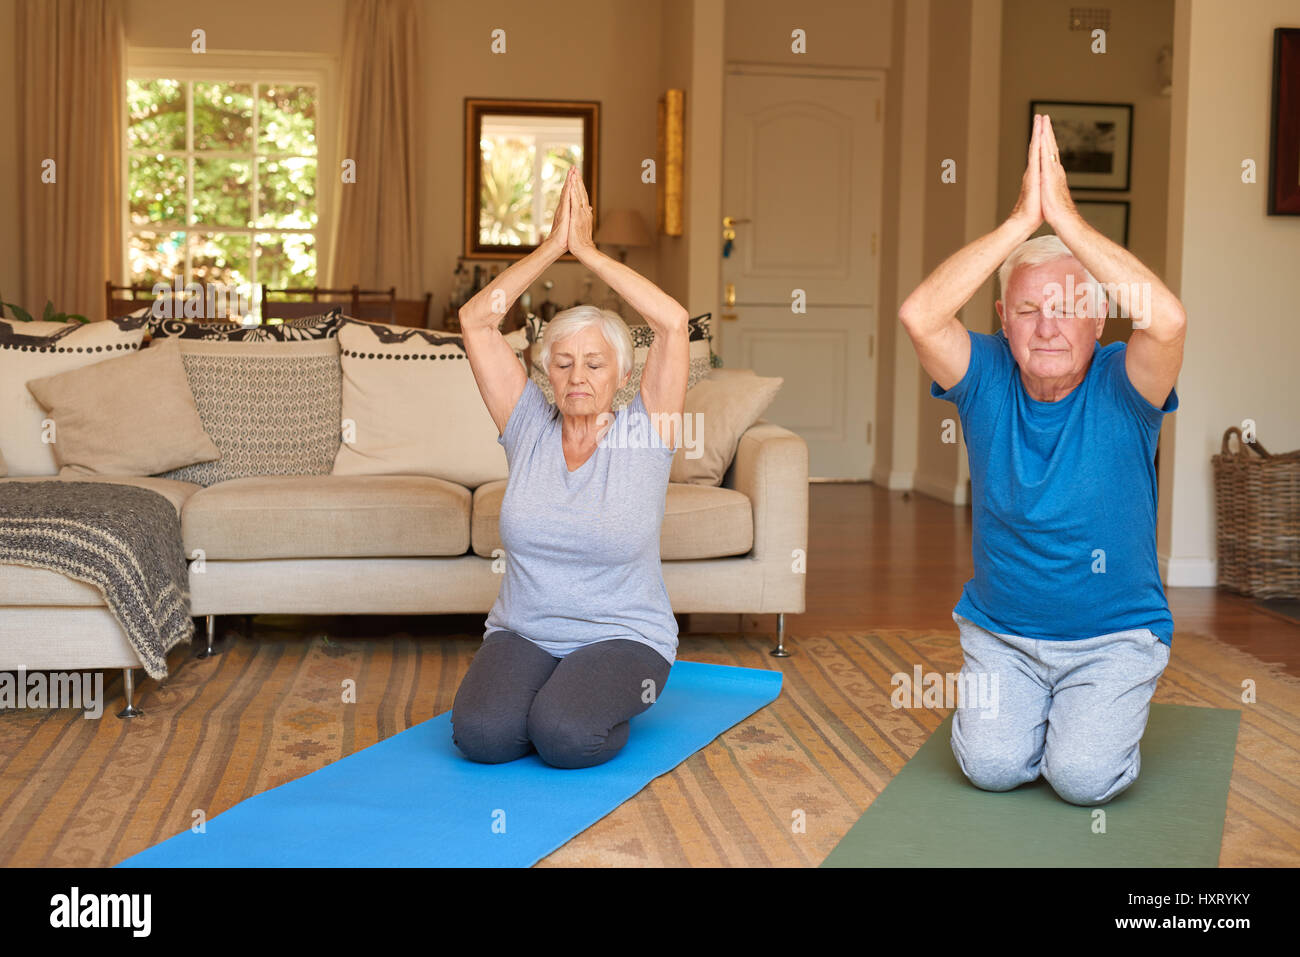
pixel 410 544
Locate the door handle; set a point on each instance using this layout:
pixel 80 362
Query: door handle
pixel 729 301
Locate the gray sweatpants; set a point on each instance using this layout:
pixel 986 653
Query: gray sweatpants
pixel 1073 711
pixel 573 710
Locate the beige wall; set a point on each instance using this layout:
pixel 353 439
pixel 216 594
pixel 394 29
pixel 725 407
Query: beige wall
pixel 1126 73
pixel 300 26
pixel 10 251
pixel 947 129
pixel 845 33
pixel 894 465
pixel 608 50
pixel 1235 266
pixel 675 73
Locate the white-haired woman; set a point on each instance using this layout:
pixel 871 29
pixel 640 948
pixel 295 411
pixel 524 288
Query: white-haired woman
pixel 582 635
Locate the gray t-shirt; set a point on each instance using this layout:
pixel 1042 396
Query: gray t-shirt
pixel 582 547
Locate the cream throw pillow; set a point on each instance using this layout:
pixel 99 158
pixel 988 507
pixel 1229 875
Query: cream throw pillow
pixel 727 405
pixel 34 350
pixel 133 415
pixel 411 406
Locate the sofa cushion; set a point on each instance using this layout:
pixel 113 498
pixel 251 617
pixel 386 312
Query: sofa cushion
pixel 33 350
pixel 272 408
pixel 328 516
pixel 699 522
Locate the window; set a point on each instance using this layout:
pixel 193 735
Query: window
pixel 222 183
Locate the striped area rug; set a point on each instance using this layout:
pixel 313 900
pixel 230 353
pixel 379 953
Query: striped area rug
pixel 780 789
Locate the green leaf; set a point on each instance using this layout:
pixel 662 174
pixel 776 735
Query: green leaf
pixel 22 315
pixel 78 317
pixel 49 311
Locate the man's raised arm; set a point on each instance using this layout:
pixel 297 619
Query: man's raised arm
pixel 1155 350
pixel 929 314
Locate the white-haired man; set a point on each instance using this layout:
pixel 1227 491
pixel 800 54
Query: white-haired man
pixel 1065 607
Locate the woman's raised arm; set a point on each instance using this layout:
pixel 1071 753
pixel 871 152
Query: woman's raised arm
pixel 667 367
pixel 500 377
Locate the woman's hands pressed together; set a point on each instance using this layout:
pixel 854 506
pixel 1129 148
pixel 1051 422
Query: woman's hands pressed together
pixel 581 243
pixel 557 240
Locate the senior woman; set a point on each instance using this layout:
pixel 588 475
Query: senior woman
pixel 582 635
pixel 1065 616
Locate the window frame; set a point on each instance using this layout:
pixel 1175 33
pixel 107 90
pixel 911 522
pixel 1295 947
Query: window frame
pixel 144 63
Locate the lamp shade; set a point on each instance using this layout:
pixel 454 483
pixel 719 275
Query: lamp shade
pixel 623 227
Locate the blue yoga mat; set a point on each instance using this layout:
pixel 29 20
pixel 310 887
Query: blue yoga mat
pixel 413 800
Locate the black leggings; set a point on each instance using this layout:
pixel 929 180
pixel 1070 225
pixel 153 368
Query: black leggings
pixel 573 710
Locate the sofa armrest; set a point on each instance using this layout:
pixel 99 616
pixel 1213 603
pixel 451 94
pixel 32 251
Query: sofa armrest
pixel 771 469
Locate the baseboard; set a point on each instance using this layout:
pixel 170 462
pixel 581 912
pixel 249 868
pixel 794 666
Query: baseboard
pixel 944 491
pixel 1189 572
pixel 894 481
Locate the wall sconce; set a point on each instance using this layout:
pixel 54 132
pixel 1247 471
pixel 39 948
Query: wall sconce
pixel 668 197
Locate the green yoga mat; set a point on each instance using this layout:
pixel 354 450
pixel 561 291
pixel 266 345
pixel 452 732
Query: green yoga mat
pixel 929 815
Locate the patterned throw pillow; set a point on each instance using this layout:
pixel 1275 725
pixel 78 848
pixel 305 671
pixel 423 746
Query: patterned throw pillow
pixel 306 328
pixel 272 408
pixel 701 356
pixel 34 350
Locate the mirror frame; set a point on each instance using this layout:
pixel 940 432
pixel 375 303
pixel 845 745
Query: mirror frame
pixel 478 107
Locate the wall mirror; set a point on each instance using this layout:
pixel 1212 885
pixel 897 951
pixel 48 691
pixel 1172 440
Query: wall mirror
pixel 517 153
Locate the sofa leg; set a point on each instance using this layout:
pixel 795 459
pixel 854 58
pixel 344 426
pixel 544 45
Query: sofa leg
pixel 130 711
pixel 212 635
pixel 779 651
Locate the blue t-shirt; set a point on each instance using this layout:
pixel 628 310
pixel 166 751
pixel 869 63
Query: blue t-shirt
pixel 1063 500
pixel 582 547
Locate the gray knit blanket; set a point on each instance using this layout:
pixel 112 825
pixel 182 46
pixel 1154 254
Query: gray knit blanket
pixel 123 539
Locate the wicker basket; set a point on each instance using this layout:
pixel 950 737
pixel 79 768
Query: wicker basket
pixel 1257 497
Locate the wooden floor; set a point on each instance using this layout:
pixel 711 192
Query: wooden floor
pixel 899 560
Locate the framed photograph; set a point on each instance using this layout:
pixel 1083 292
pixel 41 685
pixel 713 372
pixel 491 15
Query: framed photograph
pixel 1096 141
pixel 1284 141
pixel 1108 216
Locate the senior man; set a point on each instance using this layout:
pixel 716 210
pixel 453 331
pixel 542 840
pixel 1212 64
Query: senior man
pixel 1065 607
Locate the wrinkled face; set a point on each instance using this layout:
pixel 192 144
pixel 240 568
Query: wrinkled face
pixel 1051 336
pixel 584 373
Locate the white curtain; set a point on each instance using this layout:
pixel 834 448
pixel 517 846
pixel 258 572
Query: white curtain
pixel 377 240
pixel 71 98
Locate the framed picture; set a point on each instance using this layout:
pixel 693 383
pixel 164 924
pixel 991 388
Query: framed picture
pixel 1284 141
pixel 517 154
pixel 1096 141
pixel 1108 216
